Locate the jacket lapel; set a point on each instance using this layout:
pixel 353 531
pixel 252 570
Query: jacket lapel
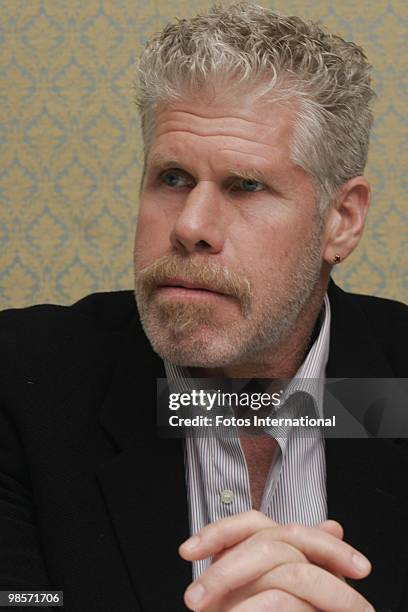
pixel 143 485
pixel 366 477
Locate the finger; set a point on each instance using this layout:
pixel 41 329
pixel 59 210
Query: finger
pixel 326 550
pixel 238 566
pixel 273 600
pixel 306 584
pixel 213 538
pixel 336 530
pixel 265 582
pixel 319 546
pixel 332 527
pixel 316 586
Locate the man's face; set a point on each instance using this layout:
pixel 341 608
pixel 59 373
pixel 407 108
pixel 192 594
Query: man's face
pixel 227 247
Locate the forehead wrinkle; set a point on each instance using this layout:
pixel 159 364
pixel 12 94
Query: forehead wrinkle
pixel 218 134
pixel 252 146
pixel 251 131
pixel 212 118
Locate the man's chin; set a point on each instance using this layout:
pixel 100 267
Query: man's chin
pixel 197 346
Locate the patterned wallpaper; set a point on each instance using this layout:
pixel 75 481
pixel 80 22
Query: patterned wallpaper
pixel 71 149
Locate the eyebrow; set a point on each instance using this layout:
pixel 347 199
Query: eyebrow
pixel 162 161
pixel 249 174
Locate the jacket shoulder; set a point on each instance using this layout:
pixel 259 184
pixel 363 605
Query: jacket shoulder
pixel 46 341
pixel 384 315
pixel 109 310
pixel 385 320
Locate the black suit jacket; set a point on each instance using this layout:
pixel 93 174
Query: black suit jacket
pixel 92 502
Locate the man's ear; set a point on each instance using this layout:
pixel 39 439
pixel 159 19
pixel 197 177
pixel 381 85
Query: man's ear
pixel 345 221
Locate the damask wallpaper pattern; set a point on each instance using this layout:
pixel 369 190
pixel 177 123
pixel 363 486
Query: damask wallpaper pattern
pixel 71 148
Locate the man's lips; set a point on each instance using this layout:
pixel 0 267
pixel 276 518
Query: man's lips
pixel 178 283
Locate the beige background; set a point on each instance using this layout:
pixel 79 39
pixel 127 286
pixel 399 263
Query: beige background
pixel 71 150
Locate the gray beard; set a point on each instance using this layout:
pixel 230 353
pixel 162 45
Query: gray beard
pixel 263 329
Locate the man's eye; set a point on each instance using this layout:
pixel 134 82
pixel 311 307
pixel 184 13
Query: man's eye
pixel 248 185
pixel 173 179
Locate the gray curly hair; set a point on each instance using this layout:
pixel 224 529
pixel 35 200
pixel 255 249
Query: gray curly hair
pixel 288 59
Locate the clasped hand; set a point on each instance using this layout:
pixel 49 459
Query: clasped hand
pixel 259 565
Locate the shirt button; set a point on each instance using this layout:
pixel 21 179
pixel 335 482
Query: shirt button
pixel 227 496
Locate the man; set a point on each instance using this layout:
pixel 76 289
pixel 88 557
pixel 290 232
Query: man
pixel 256 132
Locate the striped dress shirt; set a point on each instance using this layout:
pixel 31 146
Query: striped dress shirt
pixel 295 491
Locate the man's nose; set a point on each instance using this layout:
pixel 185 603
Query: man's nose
pixel 198 226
